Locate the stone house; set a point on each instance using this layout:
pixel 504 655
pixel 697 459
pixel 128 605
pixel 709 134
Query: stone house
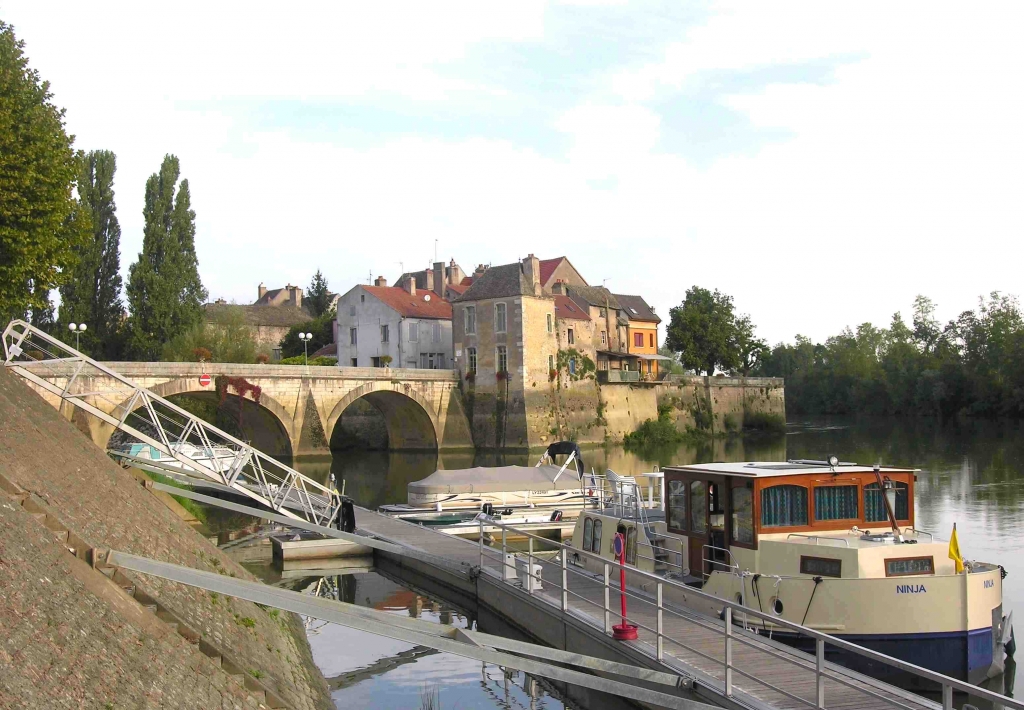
pixel 410 325
pixel 575 332
pixel 287 296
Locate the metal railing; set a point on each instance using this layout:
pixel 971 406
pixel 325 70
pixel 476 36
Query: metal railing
pixel 817 538
pixel 730 636
pixel 91 386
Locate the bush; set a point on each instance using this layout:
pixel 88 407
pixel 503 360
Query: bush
pixel 322 329
pixel 657 432
pixel 228 338
pixel 323 360
pixel 766 422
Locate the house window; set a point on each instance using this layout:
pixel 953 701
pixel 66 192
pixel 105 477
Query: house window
pixel 638 339
pixel 352 336
pixel 502 359
pixel 550 323
pixel 551 363
pixel 651 338
pixel 874 504
pixel 383 334
pixel 471 356
pixel 352 310
pixel 597 536
pixel 743 515
pixel 677 505
pixel 440 361
pixel 603 312
pixel 355 362
pixel 783 506
pixel 835 503
pixel 414 332
pixel 572 366
pixel 571 337
pixel 604 337
pixel 437 332
pixel 698 507
pixel 500 320
pixel 470 319
pixel 362 298
pixel 423 361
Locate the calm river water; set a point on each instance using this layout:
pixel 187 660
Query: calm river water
pixel 971 475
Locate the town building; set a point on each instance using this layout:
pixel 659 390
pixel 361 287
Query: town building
pixel 641 333
pixel 398 326
pixel 287 296
pixel 269 324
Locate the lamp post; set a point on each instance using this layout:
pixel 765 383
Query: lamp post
pixel 78 329
pixel 305 338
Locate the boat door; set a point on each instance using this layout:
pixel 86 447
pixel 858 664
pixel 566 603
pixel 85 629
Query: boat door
pixel 698 529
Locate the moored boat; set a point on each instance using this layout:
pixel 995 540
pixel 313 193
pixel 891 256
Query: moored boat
pixel 828 545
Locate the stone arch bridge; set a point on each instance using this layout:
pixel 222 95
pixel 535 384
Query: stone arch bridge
pixel 300 407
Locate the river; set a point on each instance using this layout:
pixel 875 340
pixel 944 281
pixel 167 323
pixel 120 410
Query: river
pixel 971 474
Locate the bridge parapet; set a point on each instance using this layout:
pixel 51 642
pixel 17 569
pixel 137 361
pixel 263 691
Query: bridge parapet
pixel 194 369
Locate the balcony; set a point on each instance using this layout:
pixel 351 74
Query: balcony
pixel 614 376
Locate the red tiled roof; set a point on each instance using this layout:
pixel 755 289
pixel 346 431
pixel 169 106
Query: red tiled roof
pixel 547 267
pixel 466 281
pixel 458 288
pixel 329 350
pixel 566 309
pixel 412 306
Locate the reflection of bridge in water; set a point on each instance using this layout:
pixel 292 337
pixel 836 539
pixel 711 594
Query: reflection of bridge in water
pixel 300 408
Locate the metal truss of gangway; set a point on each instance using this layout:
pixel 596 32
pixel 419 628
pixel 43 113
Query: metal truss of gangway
pixel 55 367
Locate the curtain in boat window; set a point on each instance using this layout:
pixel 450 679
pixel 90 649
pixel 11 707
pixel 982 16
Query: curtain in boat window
pixel 631 546
pixel 874 506
pixel 677 505
pixel 742 515
pixel 698 507
pixel 597 536
pixel 783 506
pixel 588 533
pixel 835 503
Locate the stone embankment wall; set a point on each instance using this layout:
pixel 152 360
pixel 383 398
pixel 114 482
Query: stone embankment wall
pixel 72 638
pixel 593 413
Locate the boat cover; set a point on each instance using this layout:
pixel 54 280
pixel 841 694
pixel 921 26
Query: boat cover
pixel 497 478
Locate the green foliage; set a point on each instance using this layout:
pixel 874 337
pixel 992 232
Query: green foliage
pixel 655 432
pixel 702 330
pixel 322 329
pixel 972 366
pixel 766 422
pixel 228 338
pixel 165 293
pixel 248 622
pixel 322 361
pixel 318 297
pixel 750 350
pixel 188 504
pixel 256 673
pixel 585 367
pixel 42 227
pixel 93 294
pixel 673 366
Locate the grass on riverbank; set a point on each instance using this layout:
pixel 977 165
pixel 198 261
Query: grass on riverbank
pixel 194 509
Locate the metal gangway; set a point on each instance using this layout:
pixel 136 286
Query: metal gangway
pixel 88 385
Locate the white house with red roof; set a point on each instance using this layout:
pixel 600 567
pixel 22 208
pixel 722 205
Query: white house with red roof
pixel 410 325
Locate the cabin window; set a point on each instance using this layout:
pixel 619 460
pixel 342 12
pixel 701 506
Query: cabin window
pixel 783 506
pixel 874 504
pixel 906 566
pixel 835 503
pixel 631 546
pixel 743 515
pixel 677 505
pixel 698 507
pixel 588 533
pixel 597 536
pixel 821 566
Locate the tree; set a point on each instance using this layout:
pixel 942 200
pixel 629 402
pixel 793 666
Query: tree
pixel 322 329
pixel 165 293
pixel 702 330
pixel 40 229
pixel 750 349
pixel 226 338
pixel 93 295
pixel 318 298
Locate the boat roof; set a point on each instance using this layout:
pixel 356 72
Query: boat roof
pixel 495 479
pixel 764 469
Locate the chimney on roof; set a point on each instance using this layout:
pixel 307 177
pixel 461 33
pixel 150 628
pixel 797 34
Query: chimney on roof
pixel 480 269
pixel 439 278
pixel 410 285
pixel 262 291
pixel 455 274
pixel 429 274
pixel 531 268
pixel 380 281
pixel 294 295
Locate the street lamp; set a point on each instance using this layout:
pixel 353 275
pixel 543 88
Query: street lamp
pixel 305 338
pixel 77 329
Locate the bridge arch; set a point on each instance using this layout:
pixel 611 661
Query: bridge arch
pixel 409 417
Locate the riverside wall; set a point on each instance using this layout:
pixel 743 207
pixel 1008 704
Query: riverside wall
pixel 72 637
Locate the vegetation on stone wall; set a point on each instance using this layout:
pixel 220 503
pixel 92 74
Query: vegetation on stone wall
pixel 655 432
pixel 584 366
pixel 227 339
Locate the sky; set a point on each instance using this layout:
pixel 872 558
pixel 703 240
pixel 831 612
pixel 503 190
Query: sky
pixel 822 163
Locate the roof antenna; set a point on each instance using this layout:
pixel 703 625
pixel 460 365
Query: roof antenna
pixel 369 278
pixel 401 265
pixel 435 251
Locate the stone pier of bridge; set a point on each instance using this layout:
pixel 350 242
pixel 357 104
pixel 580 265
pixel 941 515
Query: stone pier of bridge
pixel 299 407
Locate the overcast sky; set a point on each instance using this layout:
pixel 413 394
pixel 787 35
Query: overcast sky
pixel 821 162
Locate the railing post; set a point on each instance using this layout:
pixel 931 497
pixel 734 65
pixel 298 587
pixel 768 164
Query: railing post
pixel 565 579
pixel 728 651
pixel 607 599
pixel 819 672
pixel 504 546
pixel 947 696
pixel 661 640
pixel 529 568
pixel 481 524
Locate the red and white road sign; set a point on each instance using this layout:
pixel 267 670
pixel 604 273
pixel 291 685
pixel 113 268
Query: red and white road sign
pixel 204 380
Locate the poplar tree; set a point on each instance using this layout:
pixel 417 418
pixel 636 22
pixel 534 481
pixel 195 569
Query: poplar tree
pixel 93 295
pixel 318 297
pixel 40 229
pixel 165 293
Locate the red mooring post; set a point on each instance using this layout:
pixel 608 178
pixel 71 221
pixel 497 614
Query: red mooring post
pixel 623 631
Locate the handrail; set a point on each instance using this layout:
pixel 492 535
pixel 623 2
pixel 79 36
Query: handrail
pixel 916 531
pixel 947 683
pixel 820 537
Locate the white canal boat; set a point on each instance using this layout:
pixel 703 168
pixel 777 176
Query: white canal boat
pixel 828 545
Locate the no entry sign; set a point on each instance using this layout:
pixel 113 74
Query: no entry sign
pixel 204 380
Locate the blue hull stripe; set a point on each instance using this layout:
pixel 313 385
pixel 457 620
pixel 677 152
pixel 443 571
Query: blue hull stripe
pixel 965 656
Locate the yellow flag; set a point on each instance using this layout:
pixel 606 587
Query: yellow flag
pixel 954 551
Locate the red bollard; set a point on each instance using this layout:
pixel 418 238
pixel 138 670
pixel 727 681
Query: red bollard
pixel 623 631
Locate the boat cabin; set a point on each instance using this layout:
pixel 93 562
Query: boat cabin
pixel 724 509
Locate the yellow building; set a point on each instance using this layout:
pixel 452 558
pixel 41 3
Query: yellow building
pixel 641 333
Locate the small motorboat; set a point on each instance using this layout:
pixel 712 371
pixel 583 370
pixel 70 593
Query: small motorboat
pixel 546 485
pixel 149 458
pixel 824 544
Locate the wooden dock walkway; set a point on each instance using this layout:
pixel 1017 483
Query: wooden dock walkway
pixel 766 673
